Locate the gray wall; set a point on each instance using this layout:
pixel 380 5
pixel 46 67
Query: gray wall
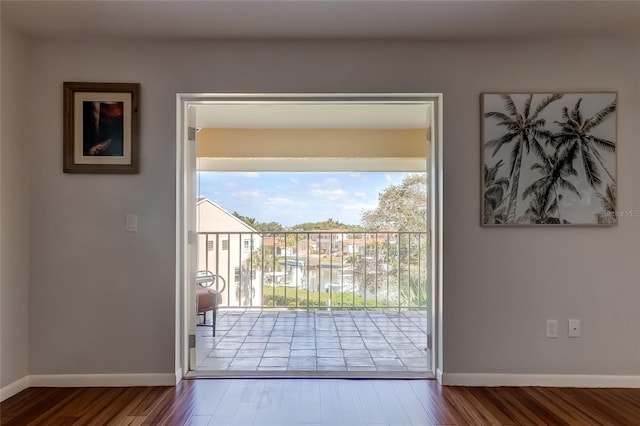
pixel 103 300
pixel 14 208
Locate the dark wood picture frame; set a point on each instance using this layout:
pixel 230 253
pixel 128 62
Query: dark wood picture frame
pixel 101 127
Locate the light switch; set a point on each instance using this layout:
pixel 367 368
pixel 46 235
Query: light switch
pixel 132 223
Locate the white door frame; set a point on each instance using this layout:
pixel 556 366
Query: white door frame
pixel 185 299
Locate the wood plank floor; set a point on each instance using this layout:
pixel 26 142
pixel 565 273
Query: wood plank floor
pixel 312 402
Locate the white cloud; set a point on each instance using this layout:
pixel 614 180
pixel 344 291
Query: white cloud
pixel 388 177
pixel 332 182
pixel 329 194
pixel 281 202
pixel 359 206
pixel 359 194
pixel 246 194
pixel 294 181
pixel 252 175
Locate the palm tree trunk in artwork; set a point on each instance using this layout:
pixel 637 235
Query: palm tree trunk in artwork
pixel 515 179
pixel 555 191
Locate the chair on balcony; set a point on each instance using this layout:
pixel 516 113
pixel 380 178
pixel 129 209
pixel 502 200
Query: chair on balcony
pixel 209 296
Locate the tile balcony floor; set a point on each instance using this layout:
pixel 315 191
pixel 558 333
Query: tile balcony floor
pixel 330 341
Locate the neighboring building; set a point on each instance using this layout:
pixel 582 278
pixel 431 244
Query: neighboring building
pixel 329 240
pixel 281 247
pixel 225 244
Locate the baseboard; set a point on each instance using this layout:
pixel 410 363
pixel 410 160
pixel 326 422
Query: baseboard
pixel 547 380
pixel 178 376
pixel 14 388
pixel 439 376
pixel 99 380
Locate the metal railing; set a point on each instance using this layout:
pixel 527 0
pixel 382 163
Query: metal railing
pixel 319 269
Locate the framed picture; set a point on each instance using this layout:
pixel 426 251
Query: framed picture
pixel 548 158
pixel 101 128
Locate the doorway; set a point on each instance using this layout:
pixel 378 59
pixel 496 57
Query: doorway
pixel 350 338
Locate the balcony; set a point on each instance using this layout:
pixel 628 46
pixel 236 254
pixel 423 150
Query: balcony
pixel 331 301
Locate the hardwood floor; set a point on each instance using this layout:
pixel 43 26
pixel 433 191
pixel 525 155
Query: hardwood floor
pixel 312 402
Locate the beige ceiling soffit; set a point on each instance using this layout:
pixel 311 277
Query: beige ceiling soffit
pixel 332 164
pixel 286 143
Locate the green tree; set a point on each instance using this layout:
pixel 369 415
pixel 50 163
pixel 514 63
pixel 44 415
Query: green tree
pixel 259 226
pixel 324 225
pixel 523 131
pixel 401 207
pixel 263 259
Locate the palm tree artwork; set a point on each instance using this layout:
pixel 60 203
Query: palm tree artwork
pixel 523 130
pixel 548 158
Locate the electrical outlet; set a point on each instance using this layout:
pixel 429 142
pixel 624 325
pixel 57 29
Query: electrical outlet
pixel 552 328
pixel 131 223
pixel 574 328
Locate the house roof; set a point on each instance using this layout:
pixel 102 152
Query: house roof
pixel 202 200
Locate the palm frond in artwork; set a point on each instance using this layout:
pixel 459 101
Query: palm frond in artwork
pixel 608 200
pixel 509 105
pixel 576 115
pixel 527 106
pixel 545 103
pixel 590 169
pixel 498 115
pixel 497 143
pixel 600 116
pixel 494 194
pixel 569 186
pixel 603 143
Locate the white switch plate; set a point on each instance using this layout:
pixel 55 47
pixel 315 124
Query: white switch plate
pixel 574 328
pixel 552 328
pixel 131 224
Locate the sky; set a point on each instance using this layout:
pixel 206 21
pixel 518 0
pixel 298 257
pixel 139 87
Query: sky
pixel 290 198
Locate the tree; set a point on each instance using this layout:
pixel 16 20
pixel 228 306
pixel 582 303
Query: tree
pixel 401 207
pixel 263 258
pixel 327 224
pixel 523 131
pixel 495 210
pixel 574 129
pixel 259 226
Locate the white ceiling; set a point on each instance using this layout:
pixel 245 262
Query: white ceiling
pixel 314 116
pixel 328 19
